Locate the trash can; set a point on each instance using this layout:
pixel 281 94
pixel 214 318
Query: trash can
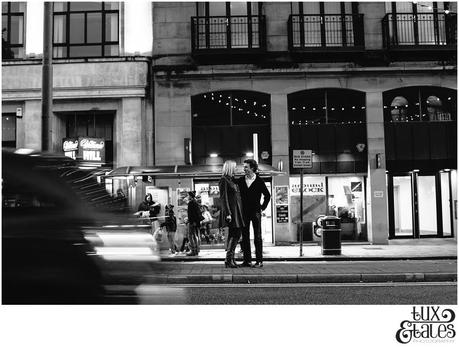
pixel 331 234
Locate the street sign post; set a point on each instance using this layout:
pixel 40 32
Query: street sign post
pixel 301 159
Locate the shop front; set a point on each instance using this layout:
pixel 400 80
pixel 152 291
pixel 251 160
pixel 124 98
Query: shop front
pixel 422 204
pixel 341 196
pixel 170 185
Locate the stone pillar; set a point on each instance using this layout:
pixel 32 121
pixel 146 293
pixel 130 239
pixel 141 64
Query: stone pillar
pixel 129 133
pixel 377 211
pixel 280 145
pixel 29 126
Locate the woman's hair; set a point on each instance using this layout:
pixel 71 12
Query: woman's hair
pixel 148 194
pixel 228 168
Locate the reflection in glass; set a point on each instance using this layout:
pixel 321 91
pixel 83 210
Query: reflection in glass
pixel 94 26
pixel 77 26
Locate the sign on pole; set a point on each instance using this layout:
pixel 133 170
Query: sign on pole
pixel 302 159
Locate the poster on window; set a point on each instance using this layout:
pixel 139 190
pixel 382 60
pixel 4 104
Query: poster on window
pixel 314 198
pixel 282 213
pixel 182 205
pixel 281 195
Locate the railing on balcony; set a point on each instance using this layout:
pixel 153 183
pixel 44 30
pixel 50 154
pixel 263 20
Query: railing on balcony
pixel 325 31
pixel 228 33
pixel 422 29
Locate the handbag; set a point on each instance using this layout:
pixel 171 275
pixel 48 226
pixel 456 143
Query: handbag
pixel 158 235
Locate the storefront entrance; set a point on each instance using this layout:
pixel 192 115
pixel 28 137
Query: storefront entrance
pixel 420 205
pixel 209 195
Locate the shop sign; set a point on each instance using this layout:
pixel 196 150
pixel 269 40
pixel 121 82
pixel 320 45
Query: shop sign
pixel 85 148
pixel 70 147
pixel 378 194
pixel 282 214
pixel 214 190
pixel 311 185
pixel 92 149
pixel 356 186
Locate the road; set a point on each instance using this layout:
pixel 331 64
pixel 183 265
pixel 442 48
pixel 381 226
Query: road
pixel 432 293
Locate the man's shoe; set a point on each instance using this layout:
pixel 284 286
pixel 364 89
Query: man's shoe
pixel 258 264
pixel 191 253
pixel 244 264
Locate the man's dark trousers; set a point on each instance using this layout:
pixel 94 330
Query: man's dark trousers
pixel 255 218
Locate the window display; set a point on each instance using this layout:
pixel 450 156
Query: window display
pixel 346 200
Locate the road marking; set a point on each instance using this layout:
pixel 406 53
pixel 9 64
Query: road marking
pixel 289 285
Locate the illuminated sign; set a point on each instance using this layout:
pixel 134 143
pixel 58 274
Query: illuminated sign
pixel 85 148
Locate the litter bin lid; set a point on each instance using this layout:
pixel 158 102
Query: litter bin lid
pixel 331 221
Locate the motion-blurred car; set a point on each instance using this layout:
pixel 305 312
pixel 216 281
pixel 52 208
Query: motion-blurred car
pixel 50 209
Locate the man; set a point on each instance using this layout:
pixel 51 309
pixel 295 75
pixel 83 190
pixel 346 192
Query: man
pixel 194 220
pixel 252 187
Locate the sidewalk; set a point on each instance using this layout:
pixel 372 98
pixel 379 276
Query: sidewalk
pixel 421 249
pixel 429 260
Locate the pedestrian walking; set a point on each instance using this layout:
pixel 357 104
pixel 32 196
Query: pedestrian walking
pixel 252 187
pixel 231 210
pixel 194 220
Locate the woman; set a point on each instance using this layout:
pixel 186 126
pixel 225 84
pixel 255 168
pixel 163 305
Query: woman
pixel 231 210
pixel 171 227
pixel 148 206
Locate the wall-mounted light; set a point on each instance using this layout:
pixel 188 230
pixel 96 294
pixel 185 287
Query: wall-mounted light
pixel 213 155
pixel 249 154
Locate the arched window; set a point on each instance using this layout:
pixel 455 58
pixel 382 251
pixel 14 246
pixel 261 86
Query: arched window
pixel 223 124
pixel 322 106
pixel 420 104
pixel 331 123
pixel 399 109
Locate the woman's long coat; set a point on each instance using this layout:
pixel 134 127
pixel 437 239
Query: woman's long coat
pixel 230 203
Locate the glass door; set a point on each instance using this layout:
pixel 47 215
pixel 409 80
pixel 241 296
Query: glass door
pixel 420 205
pixel 427 205
pixel 402 203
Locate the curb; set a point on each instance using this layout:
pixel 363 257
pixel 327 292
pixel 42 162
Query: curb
pixel 302 278
pixel 323 258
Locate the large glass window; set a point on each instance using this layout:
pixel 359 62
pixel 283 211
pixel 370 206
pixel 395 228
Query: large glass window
pixel 346 199
pixel 415 104
pixel 13 30
pixel 224 123
pixel 331 123
pixel 85 29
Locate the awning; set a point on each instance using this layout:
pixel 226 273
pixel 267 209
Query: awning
pixel 183 171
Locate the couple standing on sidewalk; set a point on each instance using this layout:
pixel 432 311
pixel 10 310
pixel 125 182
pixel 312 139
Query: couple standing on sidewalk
pixel 240 205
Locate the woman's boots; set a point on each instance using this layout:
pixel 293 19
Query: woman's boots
pixel 229 261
